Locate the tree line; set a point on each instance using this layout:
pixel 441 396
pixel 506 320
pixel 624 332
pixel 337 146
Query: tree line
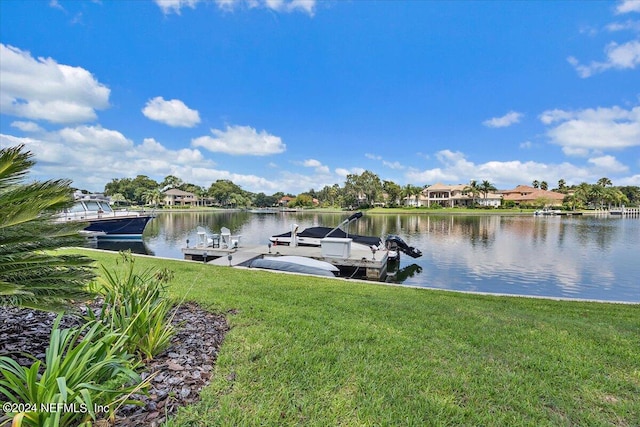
pixel 359 190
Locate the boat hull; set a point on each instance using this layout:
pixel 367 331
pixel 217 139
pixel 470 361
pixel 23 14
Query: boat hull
pixel 119 227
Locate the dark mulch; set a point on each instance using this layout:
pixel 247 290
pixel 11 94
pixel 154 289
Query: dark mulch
pixel 180 372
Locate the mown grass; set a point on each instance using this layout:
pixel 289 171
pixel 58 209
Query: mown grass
pixel 312 351
pixel 451 211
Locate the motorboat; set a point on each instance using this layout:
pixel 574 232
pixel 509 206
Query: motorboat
pixel 103 221
pixel 296 264
pixel 547 212
pixel 313 236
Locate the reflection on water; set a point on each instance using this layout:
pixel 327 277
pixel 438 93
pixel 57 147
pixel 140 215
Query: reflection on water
pixel 579 257
pixel 135 246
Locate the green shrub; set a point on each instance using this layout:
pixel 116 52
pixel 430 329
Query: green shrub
pixel 84 366
pixel 137 305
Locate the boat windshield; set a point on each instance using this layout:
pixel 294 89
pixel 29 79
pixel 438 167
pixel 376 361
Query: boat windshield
pixel 92 206
pixel 105 207
pixel 77 207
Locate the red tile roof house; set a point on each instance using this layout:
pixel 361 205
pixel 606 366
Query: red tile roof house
pixel 523 194
pixel 284 201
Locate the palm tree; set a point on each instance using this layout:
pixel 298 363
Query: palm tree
pixel 473 189
pixel 604 182
pixel 561 185
pixel 152 197
pixel 535 183
pixel 544 186
pixel 485 187
pixel 30 274
pixel 597 194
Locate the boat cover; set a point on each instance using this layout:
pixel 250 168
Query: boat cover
pixel 289 266
pixel 320 232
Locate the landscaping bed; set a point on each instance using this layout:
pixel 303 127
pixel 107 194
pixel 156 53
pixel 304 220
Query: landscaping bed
pixel 180 372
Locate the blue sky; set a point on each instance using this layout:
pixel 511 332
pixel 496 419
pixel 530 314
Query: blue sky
pixel 289 95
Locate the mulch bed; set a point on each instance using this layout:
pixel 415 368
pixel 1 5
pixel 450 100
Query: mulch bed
pixel 180 372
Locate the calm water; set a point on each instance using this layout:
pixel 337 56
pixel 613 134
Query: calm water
pixel 574 257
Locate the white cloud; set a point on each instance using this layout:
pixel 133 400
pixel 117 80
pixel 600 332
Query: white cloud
pixel 175 6
pixel 393 165
pixel 619 56
pixel 626 6
pixel 526 145
pixel 456 169
pixel 608 164
pixel 630 180
pixel 343 172
pixel 508 119
pixel 173 113
pixel 93 156
pixel 241 140
pixel 372 156
pixel 319 167
pixel 578 132
pixel 31 127
pixel 63 94
pixel 628 25
pixel 286 6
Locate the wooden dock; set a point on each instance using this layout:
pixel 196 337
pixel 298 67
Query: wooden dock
pixel 361 263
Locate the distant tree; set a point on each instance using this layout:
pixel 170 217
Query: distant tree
pixel 613 196
pixel 392 191
pixel 31 275
pixel 302 200
pixel 597 194
pixel 123 186
pixel 371 186
pixel 535 183
pixel 486 187
pixel 604 182
pixel 632 193
pixel 366 184
pixel 544 186
pixel 411 192
pixel 562 184
pixel 472 189
pixel 117 198
pixel 222 190
pixel 261 200
pixel 153 197
pixel 582 193
pixel 171 181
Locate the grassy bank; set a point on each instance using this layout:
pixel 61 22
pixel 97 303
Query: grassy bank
pixel 312 351
pixel 450 211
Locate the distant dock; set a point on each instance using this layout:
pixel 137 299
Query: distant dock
pixel 625 211
pixel 360 263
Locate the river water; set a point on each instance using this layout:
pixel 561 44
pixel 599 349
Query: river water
pixel 584 257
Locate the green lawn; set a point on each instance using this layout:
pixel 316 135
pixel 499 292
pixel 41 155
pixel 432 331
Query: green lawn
pixel 321 352
pixel 451 211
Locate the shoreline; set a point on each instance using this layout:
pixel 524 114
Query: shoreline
pixel 385 211
pixel 379 283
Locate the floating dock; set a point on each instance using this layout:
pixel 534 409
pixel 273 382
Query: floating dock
pixel 359 263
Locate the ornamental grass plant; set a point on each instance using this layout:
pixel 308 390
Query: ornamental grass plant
pixel 86 371
pixel 136 304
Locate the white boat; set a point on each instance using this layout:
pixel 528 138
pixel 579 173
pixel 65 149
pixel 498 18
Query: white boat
pixel 547 212
pixel 296 264
pixel 103 221
pixel 313 236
